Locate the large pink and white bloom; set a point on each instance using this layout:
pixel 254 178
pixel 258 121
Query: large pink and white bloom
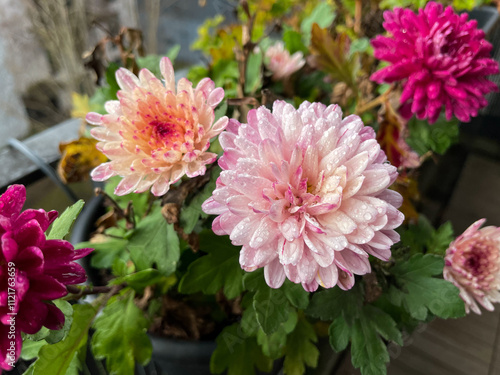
pixel 33 271
pixel 472 263
pixel 441 58
pixel 154 135
pixel 305 193
pixel 281 63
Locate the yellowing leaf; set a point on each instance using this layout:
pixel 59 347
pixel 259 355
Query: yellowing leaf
pixel 80 105
pixel 78 158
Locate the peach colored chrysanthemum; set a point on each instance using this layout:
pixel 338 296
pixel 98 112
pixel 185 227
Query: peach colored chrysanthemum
pixel 305 193
pixel 153 135
pixel 281 63
pixel 472 263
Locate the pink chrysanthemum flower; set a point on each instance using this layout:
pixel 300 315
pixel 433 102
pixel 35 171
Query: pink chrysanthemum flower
pixel 154 135
pixel 281 63
pixel 33 271
pixel 472 263
pixel 442 59
pixel 305 193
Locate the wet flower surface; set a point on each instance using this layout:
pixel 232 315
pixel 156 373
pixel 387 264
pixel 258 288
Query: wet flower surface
pixel 155 134
pixel 472 263
pixel 441 58
pixel 305 193
pixel 33 271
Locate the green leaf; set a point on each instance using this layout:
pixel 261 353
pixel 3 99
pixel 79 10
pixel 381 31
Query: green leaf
pixel 416 236
pixel 360 45
pixel 293 41
pixel 368 350
pixel 420 292
pixel 220 268
pixel 238 354
pixel 62 225
pixel 154 242
pixel 55 336
pixel 272 308
pixel 105 253
pixel 142 279
pixel 56 359
pixel 334 302
pixel 339 334
pixel 437 137
pixel 383 323
pixel 31 348
pixel 120 335
pixel 300 350
pixel 253 81
pixel 440 239
pixel 323 15
pixel 192 212
pixel 273 345
pixel 296 294
pixel 140 201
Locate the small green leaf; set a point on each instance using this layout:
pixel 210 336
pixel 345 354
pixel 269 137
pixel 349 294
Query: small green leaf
pixel 238 354
pixel 220 268
pixel 253 81
pixel 300 350
pixel 142 279
pixel 339 334
pixel 273 345
pixel 105 253
pixel 334 302
pixel 323 15
pixel 154 242
pixel 440 240
pixel 192 212
pixel 31 348
pixel 296 294
pixel 120 335
pixel 56 359
pixel 272 308
pixel 293 41
pixel 368 350
pixel 419 291
pixel 62 225
pixel 437 137
pixel 55 336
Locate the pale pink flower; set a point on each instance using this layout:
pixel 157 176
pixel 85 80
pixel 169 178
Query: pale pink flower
pixel 154 134
pixel 442 59
pixel 472 263
pixel 305 193
pixel 280 63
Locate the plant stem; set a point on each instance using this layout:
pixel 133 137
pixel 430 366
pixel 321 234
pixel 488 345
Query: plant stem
pixel 373 103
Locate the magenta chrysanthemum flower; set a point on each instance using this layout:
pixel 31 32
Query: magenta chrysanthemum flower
pixel 442 59
pixel 472 263
pixel 281 63
pixel 33 271
pixel 305 193
pixel 154 135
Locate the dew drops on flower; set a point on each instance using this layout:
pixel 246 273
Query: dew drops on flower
pixel 305 193
pixel 155 134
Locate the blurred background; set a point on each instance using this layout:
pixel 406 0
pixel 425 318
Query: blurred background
pixel 51 54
